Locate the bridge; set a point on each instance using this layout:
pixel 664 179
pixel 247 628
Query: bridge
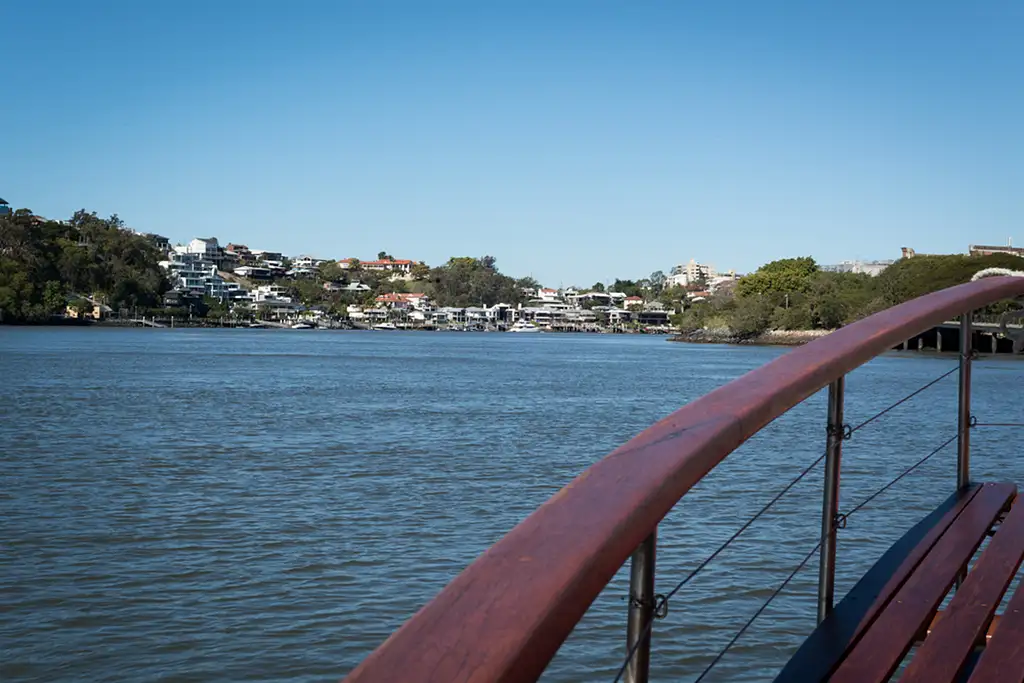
pixel 986 333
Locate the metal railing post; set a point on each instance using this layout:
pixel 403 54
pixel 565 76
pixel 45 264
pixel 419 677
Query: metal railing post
pixel 963 440
pixel 641 610
pixel 830 499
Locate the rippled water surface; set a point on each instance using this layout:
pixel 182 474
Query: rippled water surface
pixel 243 505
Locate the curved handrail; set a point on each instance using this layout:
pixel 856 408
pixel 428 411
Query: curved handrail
pixel 505 616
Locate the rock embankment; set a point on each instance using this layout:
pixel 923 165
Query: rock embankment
pixel 769 338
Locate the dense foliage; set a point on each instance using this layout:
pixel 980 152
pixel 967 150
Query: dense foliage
pixel 44 265
pixel 465 281
pixel 462 281
pixel 794 294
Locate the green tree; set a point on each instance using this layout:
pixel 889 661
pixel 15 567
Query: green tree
pixel 420 271
pixel 41 262
pixel 751 317
pixel 785 276
pixel 330 271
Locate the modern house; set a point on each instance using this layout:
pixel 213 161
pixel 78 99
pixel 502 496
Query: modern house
pixel 208 248
pixel 253 272
pixel 5 208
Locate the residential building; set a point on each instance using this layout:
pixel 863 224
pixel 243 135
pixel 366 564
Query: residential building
pixel 872 268
pixel 634 302
pixel 350 287
pixel 306 262
pixel 161 243
pixel 690 273
pixel 546 295
pixel 208 248
pixel 240 254
pixel 262 255
pixel 726 281
pixel 191 269
pixel 981 250
pixel 399 268
pixel 265 293
pixel 5 208
pixel 253 272
pixel 98 310
pixel 907 252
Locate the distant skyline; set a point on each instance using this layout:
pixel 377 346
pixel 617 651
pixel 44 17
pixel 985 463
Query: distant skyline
pixel 575 141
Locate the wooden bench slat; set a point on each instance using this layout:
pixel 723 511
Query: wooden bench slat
pixel 880 650
pixel 831 640
pixel 942 656
pixel 1003 660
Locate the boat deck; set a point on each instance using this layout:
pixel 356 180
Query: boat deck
pixel 894 609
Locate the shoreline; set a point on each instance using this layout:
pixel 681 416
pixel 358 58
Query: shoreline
pixel 770 338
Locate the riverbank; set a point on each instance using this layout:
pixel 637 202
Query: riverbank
pixel 770 338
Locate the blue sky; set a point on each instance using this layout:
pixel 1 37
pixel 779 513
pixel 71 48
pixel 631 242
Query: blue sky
pixel 575 141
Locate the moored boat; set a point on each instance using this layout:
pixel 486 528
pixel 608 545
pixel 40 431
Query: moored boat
pixel 524 326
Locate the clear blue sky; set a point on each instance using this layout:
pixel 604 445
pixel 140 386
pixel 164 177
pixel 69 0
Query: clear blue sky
pixel 575 141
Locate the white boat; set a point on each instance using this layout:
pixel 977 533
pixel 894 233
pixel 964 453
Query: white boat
pixel 385 326
pixel 302 326
pixel 524 326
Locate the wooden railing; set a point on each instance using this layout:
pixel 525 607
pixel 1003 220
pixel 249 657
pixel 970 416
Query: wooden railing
pixel 505 616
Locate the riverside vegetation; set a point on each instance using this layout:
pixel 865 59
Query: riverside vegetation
pixel 795 294
pixel 47 265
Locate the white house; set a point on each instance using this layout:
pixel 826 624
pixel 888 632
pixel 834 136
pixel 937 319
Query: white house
pixel 208 248
pixel 546 295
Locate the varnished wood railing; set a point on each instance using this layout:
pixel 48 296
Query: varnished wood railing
pixel 505 616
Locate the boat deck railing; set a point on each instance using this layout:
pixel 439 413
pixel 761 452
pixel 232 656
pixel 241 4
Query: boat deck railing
pixel 506 615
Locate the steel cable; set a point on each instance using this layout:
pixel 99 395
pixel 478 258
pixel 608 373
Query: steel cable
pixel 663 601
pixel 809 555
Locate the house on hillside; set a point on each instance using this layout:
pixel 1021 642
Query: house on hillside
pixel 982 250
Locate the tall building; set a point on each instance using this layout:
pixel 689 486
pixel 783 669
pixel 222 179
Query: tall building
pixel 691 273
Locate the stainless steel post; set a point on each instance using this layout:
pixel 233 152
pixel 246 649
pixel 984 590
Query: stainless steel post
pixel 830 499
pixel 963 441
pixel 641 610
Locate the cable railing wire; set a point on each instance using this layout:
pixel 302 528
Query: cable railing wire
pixel 903 400
pixel 806 559
pixel 663 600
pixel 696 570
pixel 998 424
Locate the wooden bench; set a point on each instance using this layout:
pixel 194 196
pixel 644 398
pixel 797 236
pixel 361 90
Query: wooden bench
pixel 895 605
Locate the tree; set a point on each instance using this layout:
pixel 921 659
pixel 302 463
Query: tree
pixel 466 281
pixel 420 271
pixel 384 256
pixel 784 276
pixel 330 271
pixel 656 282
pixel 751 317
pixel 41 262
pixel 597 287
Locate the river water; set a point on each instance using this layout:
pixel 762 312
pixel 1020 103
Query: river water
pixel 244 505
